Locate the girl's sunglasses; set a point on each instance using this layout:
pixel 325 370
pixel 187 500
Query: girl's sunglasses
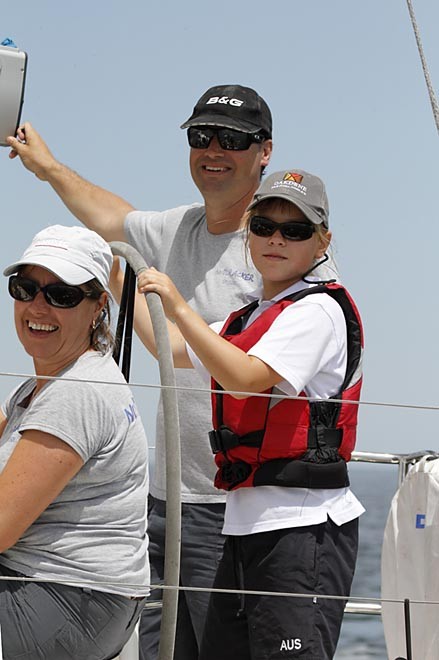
pixel 57 294
pixel 292 231
pixel 200 137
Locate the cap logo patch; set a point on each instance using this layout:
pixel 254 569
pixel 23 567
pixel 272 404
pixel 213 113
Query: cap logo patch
pixel 288 182
pixel 293 176
pixel 224 100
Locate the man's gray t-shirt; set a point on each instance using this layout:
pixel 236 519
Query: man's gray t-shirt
pixel 214 275
pixel 95 530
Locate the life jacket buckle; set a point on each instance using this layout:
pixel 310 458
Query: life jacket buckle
pixel 223 439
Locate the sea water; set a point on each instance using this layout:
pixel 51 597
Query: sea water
pixel 362 636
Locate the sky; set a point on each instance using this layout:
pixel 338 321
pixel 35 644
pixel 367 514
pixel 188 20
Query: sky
pixel 109 83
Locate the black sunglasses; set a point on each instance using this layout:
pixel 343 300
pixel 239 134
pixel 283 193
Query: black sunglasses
pixel 292 231
pixel 57 294
pixel 200 137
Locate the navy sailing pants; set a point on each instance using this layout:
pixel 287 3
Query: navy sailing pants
pixel 319 559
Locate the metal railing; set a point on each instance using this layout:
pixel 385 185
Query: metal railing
pixel 404 461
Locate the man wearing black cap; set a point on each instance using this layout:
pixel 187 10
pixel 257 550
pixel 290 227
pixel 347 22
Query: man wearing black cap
pixel 201 248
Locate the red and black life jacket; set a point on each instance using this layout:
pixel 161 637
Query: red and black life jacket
pixel 287 442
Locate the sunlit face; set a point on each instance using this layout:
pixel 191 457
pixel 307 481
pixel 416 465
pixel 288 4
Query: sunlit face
pixel 282 262
pixel 54 337
pixel 232 174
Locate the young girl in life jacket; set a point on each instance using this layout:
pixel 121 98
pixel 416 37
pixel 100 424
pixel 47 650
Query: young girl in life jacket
pixel 291 521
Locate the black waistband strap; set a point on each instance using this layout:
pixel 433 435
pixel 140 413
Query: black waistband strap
pixel 223 438
pixel 288 473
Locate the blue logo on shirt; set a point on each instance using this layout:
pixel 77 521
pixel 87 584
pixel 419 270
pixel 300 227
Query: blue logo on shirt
pixel 420 521
pixel 131 412
pixel 238 274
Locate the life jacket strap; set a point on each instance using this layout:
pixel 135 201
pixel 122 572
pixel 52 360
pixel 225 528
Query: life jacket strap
pixel 224 438
pixel 299 473
pixel 290 473
pixel 320 437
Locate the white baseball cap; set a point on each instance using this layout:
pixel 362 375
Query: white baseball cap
pixel 74 254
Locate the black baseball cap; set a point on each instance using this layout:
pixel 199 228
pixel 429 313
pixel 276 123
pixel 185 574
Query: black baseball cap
pixel 232 106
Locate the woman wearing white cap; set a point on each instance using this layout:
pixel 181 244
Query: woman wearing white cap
pixel 291 521
pixel 73 464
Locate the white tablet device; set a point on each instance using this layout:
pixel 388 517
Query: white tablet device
pixel 12 78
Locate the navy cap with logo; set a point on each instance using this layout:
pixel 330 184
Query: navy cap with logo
pixel 232 106
pixel 303 189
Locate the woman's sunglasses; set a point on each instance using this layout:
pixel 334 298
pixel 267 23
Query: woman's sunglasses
pixel 200 137
pixel 292 231
pixel 57 294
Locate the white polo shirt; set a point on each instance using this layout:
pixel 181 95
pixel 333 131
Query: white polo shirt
pixel 307 345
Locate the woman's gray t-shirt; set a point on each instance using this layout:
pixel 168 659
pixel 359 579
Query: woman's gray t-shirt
pixel 95 530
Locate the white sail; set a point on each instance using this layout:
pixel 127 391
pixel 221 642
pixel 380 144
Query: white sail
pixel 409 564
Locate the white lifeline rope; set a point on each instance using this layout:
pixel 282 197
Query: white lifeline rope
pixel 249 592
pixel 433 101
pixel 385 404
